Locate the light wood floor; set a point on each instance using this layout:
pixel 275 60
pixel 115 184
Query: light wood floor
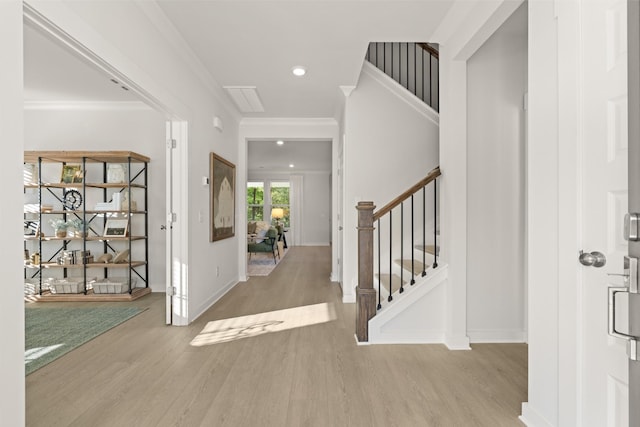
pixel 144 373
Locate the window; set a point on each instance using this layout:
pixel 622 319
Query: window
pixel 280 199
pixel 255 201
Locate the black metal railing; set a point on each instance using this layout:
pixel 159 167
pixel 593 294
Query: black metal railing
pixel 386 247
pixel 413 65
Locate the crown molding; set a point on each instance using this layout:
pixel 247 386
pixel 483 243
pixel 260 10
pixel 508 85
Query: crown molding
pixel 165 27
pixel 87 106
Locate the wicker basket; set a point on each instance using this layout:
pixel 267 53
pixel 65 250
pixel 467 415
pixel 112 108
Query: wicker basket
pixel 112 285
pixel 67 286
pixel 32 286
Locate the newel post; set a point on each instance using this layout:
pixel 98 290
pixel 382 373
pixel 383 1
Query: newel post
pixel 365 294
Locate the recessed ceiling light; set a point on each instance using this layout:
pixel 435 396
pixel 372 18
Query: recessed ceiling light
pixel 291 165
pixel 299 70
pixel 280 142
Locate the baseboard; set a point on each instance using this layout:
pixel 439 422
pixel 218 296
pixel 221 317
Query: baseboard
pixel 324 244
pixel 531 418
pixel 478 336
pixel 457 342
pixel 408 337
pixel 213 299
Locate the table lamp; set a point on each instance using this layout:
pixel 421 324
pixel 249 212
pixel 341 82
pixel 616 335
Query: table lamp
pixel 277 214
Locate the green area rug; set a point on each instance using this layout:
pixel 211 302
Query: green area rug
pixel 51 332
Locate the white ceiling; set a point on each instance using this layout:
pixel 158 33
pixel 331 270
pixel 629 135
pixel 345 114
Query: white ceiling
pixel 256 43
pixel 53 74
pixel 267 156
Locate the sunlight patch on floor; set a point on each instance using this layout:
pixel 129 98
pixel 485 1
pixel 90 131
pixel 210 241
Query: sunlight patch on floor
pixel 225 330
pixel 36 353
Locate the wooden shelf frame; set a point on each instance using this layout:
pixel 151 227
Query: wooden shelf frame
pixel 136 180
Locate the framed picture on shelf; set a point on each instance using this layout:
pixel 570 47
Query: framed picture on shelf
pixel 116 228
pixel 222 198
pixel 71 174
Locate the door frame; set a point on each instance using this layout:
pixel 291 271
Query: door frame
pixel 38 20
pixel 633 79
pixel 569 209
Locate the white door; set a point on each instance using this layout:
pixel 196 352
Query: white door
pixel 339 209
pixel 633 77
pixel 603 363
pixel 168 227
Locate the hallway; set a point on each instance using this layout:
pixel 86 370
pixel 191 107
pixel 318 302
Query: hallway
pixel 144 373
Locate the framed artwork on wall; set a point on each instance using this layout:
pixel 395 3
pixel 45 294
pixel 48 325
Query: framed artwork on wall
pixel 222 178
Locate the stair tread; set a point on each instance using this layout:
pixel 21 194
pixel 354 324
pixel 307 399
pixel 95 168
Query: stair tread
pixel 406 264
pixel 386 278
pixel 427 248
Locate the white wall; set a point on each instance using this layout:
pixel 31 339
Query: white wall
pixel 12 382
pixel 105 128
pixel 136 40
pixel 496 84
pixel 542 408
pixel 316 208
pixel 390 145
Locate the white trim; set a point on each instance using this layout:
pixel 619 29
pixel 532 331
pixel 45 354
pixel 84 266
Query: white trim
pixel 401 92
pixel 86 105
pixel 413 336
pixel 460 342
pixel 324 244
pixel 289 122
pixel 379 332
pixel 531 418
pixel 214 298
pixel 496 336
pixel 251 129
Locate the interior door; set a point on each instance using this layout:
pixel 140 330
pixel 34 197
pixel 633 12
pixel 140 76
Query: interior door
pixel 603 362
pixel 168 226
pixel 633 49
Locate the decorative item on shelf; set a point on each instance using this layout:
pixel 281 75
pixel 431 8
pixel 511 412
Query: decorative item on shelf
pixel 71 174
pixel 116 173
pixel 35 258
pixel 116 228
pixel 30 173
pixel 121 256
pixel 125 200
pixel 72 200
pixel 75 257
pixel 116 199
pixel 27 260
pixel 79 227
pixel 105 258
pixel 31 227
pixel 105 206
pixel 59 226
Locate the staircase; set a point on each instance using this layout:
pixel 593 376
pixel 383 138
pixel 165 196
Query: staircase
pixel 413 65
pixel 400 297
pixel 405 259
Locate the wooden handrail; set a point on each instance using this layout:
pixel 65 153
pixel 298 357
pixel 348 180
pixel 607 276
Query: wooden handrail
pixel 429 49
pixel 404 196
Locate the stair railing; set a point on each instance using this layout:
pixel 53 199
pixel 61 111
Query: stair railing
pixel 368 221
pixel 413 65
